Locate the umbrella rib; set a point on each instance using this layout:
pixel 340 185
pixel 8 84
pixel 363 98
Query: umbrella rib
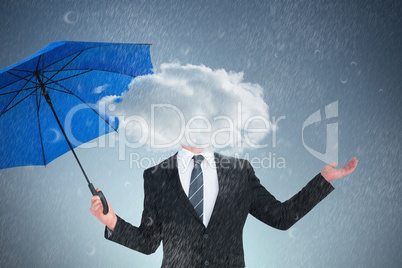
pixel 22 78
pixel 43 67
pixel 52 82
pixel 43 63
pixel 134 76
pixel 15 91
pixel 95 46
pixel 37 98
pixel 64 66
pixel 19 70
pixel 18 102
pixel 72 93
pixel 5 109
pixel 67 70
pixel 59 90
pixel 28 88
pixel 37 64
pixel 40 131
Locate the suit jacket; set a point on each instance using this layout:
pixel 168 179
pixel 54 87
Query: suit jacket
pixel 168 215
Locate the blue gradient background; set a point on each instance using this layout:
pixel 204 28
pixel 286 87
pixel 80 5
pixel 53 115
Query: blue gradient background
pixel 303 54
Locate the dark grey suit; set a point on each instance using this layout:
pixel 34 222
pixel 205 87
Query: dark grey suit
pixel 168 215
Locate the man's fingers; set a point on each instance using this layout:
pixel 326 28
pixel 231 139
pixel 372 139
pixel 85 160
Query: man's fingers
pixel 96 203
pixel 93 198
pixel 97 207
pixel 350 167
pixel 352 164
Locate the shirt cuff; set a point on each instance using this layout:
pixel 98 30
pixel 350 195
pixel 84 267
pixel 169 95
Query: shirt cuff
pixel 322 184
pixel 109 232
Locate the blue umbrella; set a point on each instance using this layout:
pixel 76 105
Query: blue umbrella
pixel 56 93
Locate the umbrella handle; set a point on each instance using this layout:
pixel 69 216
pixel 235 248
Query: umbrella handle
pixel 104 202
pixel 101 196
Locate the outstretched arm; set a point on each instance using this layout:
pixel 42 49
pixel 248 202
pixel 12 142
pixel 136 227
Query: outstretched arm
pixel 282 215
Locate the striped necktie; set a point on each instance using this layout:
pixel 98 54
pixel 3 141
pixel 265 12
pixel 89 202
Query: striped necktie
pixel 196 192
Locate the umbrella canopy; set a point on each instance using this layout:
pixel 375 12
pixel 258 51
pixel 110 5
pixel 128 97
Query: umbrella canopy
pixel 49 102
pixel 76 76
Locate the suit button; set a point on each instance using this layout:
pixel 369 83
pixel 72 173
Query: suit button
pixel 206 236
pixel 206 263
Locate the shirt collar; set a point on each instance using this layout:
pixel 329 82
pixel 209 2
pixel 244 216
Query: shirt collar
pixel 185 156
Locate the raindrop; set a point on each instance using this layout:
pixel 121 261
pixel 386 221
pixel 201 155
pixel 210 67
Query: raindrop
pixel 55 133
pixel 90 250
pixel 70 17
pixel 127 184
pixel 248 64
pixel 149 221
pixel 353 64
pixel 344 80
pixel 185 51
pixel 291 233
pixel 317 54
pixel 380 90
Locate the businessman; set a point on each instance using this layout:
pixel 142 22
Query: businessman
pixel 197 201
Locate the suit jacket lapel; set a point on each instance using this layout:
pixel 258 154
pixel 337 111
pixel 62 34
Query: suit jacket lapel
pixel 180 194
pixel 178 188
pixel 221 171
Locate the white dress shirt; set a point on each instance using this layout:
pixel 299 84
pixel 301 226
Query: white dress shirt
pixel 185 165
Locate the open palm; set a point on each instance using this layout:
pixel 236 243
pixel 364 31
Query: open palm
pixel 330 173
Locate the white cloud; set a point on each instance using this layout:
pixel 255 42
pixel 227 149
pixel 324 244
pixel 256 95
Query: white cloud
pixel 191 105
pixel 100 89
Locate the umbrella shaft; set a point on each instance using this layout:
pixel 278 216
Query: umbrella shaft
pixel 49 101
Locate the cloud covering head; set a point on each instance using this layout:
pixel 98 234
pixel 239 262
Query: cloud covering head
pixel 191 105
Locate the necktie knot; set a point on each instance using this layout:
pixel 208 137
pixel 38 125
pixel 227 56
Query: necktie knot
pixel 198 159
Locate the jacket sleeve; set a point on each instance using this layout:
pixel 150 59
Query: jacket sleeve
pixel 145 238
pixel 282 215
